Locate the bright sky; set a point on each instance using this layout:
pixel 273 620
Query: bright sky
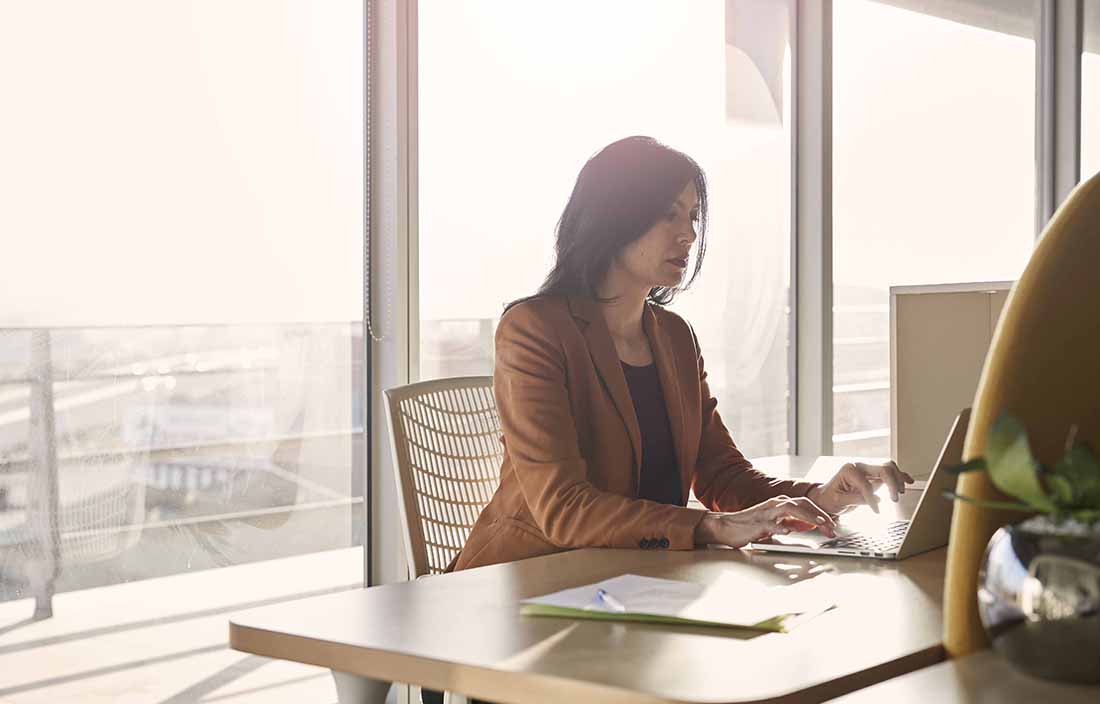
pixel 499 155
pixel 933 148
pixel 1090 106
pixel 179 161
pixel 158 169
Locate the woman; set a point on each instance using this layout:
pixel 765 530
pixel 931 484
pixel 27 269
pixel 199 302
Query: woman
pixel 606 414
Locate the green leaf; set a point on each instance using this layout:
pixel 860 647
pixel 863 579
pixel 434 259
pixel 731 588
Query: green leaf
pixel 975 465
pixel 1062 488
pixel 1086 515
pixel 1012 469
pixel 1079 470
pixel 988 503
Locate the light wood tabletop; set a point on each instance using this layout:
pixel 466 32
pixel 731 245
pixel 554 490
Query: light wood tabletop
pixel 982 678
pixel 463 632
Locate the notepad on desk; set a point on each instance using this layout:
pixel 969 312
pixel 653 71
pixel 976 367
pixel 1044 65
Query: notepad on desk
pixel 729 602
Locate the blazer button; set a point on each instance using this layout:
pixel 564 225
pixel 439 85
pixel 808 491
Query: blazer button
pixel 663 543
pixel 644 543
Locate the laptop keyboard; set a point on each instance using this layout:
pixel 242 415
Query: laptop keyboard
pixel 889 540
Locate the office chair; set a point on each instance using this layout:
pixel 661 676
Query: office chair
pixel 1042 368
pixel 445 437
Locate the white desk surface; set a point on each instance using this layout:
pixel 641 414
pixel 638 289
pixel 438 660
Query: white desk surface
pixel 806 466
pixel 463 632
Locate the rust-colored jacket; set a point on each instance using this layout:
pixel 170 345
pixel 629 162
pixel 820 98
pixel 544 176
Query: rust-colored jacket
pixel 572 447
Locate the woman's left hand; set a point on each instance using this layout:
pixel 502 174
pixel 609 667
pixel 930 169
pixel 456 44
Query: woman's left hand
pixel 856 483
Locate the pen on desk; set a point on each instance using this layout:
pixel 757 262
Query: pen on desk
pixel 611 601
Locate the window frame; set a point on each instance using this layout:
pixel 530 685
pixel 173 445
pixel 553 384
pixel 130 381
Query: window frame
pixel 810 421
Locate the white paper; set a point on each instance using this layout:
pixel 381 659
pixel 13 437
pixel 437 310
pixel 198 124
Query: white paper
pixel 731 599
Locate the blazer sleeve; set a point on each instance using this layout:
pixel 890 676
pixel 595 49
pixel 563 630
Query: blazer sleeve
pixel 724 480
pixel 540 437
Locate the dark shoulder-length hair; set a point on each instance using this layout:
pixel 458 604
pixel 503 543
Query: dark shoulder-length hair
pixel 619 195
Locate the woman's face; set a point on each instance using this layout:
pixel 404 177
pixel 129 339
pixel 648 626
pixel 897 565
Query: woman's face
pixel 660 256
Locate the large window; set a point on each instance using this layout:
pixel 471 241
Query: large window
pixel 933 174
pixel 514 97
pixel 1090 91
pixel 180 338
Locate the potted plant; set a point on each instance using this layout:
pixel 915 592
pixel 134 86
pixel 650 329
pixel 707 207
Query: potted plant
pixel 1039 583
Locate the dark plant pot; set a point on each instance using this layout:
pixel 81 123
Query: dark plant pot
pixel 1039 597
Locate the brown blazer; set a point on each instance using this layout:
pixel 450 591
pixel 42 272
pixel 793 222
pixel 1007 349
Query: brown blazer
pixel 572 447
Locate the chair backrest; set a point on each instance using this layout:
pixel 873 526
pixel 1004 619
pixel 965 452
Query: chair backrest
pixel 1042 368
pixel 445 436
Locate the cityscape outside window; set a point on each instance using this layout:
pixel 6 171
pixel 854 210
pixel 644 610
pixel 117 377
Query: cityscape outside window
pixel 181 338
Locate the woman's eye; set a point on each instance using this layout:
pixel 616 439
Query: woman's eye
pixel 672 216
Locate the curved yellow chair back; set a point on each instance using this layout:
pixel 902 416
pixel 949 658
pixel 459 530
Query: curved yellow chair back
pixel 1043 367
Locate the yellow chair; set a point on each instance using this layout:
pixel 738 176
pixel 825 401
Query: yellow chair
pixel 1043 367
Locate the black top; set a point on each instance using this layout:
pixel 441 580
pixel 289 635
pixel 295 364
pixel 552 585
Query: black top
pixel 660 480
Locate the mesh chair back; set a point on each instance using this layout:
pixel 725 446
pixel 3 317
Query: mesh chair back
pixel 445 436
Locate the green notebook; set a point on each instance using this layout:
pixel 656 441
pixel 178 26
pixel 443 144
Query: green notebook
pixel 730 602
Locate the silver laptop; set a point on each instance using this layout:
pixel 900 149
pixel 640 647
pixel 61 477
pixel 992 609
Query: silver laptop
pixel 928 528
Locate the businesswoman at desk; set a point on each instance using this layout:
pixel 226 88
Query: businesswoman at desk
pixel 602 392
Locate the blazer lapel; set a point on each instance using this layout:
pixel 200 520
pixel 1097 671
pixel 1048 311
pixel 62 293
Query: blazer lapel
pixel 606 360
pixel 665 358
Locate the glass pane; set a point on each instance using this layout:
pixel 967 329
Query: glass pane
pixel 494 178
pixel 933 175
pixel 1090 91
pixel 180 341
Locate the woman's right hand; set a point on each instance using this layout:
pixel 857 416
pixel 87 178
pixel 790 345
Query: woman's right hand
pixel 777 515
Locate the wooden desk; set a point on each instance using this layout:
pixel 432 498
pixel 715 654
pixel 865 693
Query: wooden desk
pixel 463 632
pixel 982 678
